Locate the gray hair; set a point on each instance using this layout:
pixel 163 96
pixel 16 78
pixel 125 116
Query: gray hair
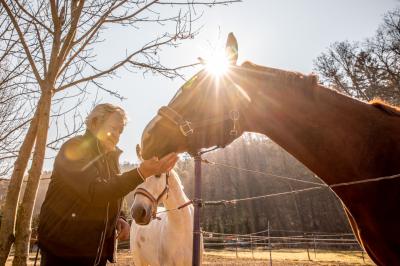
pixel 102 111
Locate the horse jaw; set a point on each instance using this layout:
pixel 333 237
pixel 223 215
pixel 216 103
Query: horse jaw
pixel 159 139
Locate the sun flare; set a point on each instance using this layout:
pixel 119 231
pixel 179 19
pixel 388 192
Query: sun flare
pixel 217 64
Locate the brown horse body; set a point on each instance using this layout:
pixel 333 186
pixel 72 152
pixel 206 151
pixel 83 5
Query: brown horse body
pixel 339 138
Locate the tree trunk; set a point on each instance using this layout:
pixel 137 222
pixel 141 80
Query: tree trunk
pixel 10 208
pixel 25 211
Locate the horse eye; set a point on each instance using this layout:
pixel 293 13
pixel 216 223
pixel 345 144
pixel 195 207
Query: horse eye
pixel 158 176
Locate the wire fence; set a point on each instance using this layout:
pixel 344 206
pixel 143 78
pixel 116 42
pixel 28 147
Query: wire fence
pixel 269 240
pixel 344 241
pixel 264 243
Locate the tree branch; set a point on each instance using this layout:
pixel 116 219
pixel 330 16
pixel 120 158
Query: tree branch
pixel 22 40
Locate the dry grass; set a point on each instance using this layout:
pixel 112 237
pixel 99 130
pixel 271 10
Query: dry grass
pixel 279 257
pixel 286 257
pixel 260 257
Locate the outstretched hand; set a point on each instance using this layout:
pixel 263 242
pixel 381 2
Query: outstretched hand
pixel 154 166
pixel 123 230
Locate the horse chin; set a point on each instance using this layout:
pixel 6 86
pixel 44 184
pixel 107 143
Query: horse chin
pixel 151 152
pixel 159 150
pixel 144 222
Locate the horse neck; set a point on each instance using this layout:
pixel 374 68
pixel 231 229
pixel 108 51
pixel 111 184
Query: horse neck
pixel 176 198
pixel 328 132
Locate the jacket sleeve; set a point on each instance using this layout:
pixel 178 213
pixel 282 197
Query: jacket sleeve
pixel 75 169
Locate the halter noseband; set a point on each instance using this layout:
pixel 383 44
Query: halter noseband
pixel 185 126
pixel 188 128
pixel 154 201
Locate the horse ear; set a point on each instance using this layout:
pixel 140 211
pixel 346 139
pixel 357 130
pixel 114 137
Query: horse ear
pixel 201 60
pixel 231 49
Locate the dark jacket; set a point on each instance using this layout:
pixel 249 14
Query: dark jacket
pixel 83 200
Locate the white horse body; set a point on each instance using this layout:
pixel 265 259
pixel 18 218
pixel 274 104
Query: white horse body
pixel 169 239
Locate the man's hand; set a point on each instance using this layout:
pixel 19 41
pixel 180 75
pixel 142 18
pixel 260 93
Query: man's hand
pixel 156 167
pixel 123 230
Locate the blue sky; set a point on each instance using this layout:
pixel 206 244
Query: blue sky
pixel 276 33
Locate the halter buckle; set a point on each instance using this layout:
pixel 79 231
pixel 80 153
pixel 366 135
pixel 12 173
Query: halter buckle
pixel 186 129
pixel 234 115
pixel 233 132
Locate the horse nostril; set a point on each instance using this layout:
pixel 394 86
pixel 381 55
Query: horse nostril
pixel 139 214
pixel 142 214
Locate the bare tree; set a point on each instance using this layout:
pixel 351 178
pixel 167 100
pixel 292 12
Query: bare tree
pixel 13 115
pixel 366 70
pixel 58 39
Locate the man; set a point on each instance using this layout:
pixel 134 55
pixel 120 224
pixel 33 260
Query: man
pixel 81 212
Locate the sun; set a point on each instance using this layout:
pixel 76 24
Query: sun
pixel 217 64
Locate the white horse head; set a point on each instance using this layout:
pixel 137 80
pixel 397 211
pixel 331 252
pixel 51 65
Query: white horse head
pixel 168 239
pixel 151 193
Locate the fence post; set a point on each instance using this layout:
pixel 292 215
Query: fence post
pixel 237 239
pixel 251 245
pixel 307 245
pixel 362 254
pixel 269 246
pixel 197 210
pixel 265 241
pixel 315 247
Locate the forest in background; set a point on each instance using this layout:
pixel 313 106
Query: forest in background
pixel 308 211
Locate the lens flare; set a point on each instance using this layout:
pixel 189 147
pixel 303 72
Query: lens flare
pixel 217 64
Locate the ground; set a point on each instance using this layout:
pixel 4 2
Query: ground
pixel 261 257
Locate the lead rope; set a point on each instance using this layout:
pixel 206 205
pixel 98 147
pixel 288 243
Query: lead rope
pixel 177 208
pixel 37 253
pixel 364 181
pixel 102 239
pixel 103 234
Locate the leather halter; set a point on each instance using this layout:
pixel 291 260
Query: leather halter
pixel 188 128
pixel 154 201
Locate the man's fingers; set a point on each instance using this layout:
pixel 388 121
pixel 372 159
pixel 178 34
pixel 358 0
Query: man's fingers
pixel 156 166
pixel 169 156
pixel 173 161
pixel 170 159
pixel 170 163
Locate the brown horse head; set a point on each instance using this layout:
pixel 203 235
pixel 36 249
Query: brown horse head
pixel 206 111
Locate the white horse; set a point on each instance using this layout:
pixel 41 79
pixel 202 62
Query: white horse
pixel 165 238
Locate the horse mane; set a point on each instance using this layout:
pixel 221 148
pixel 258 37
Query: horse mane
pixel 288 77
pixel 312 80
pixel 385 107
